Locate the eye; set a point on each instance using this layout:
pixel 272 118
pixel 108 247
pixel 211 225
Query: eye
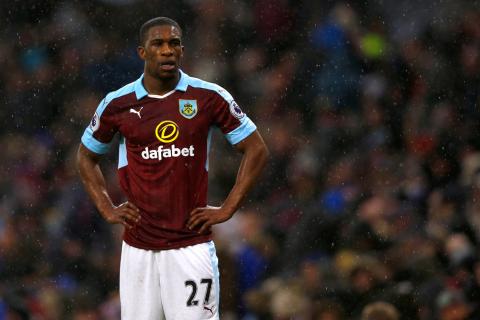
pixel 155 43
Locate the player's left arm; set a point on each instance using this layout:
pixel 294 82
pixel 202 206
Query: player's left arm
pixel 254 158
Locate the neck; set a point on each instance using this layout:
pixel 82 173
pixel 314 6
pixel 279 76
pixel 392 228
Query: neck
pixel 154 85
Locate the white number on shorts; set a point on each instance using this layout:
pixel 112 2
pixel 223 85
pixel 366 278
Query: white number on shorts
pixel 191 300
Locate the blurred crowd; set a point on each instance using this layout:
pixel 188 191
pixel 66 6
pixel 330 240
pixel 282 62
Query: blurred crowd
pixel 369 207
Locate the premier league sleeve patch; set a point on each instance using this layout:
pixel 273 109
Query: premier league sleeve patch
pixel 187 108
pixel 236 111
pixel 95 123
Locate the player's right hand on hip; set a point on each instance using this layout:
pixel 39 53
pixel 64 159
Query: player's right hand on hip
pixel 127 214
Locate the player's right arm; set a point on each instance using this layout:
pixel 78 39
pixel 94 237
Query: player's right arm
pixel 91 175
pixel 95 142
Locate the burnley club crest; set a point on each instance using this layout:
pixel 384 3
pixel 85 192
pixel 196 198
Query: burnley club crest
pixel 188 108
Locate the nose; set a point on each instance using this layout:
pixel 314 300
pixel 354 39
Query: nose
pixel 166 50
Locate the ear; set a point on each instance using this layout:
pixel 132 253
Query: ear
pixel 183 50
pixel 141 52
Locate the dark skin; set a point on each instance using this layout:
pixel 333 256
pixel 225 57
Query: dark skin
pixel 92 177
pixel 162 52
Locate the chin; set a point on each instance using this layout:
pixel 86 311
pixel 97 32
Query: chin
pixel 167 74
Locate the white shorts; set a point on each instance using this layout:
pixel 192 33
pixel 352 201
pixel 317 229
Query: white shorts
pixel 169 284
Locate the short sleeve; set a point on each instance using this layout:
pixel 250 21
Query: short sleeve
pixel 229 117
pixel 99 134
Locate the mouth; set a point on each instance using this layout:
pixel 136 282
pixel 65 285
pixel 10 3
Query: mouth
pixel 168 65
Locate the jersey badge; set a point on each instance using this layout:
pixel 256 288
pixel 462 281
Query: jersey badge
pixel 95 123
pixel 235 110
pixel 188 108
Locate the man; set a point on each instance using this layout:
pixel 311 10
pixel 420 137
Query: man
pixel 168 266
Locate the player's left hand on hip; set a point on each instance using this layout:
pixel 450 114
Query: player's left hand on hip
pixel 203 218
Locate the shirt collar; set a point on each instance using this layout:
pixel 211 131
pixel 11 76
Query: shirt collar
pixel 182 84
pixel 141 92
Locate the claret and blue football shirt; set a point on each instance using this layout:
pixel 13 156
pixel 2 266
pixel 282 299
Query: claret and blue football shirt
pixel 163 152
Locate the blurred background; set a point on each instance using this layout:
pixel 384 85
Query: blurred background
pixel 370 111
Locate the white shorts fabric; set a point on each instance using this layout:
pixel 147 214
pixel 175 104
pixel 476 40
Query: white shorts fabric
pixel 171 284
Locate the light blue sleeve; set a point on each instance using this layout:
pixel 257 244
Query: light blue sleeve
pixel 88 139
pixel 246 128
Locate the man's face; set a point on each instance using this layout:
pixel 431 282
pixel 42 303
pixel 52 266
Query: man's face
pixel 162 51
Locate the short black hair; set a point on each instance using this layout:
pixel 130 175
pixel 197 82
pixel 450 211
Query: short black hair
pixel 158 21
